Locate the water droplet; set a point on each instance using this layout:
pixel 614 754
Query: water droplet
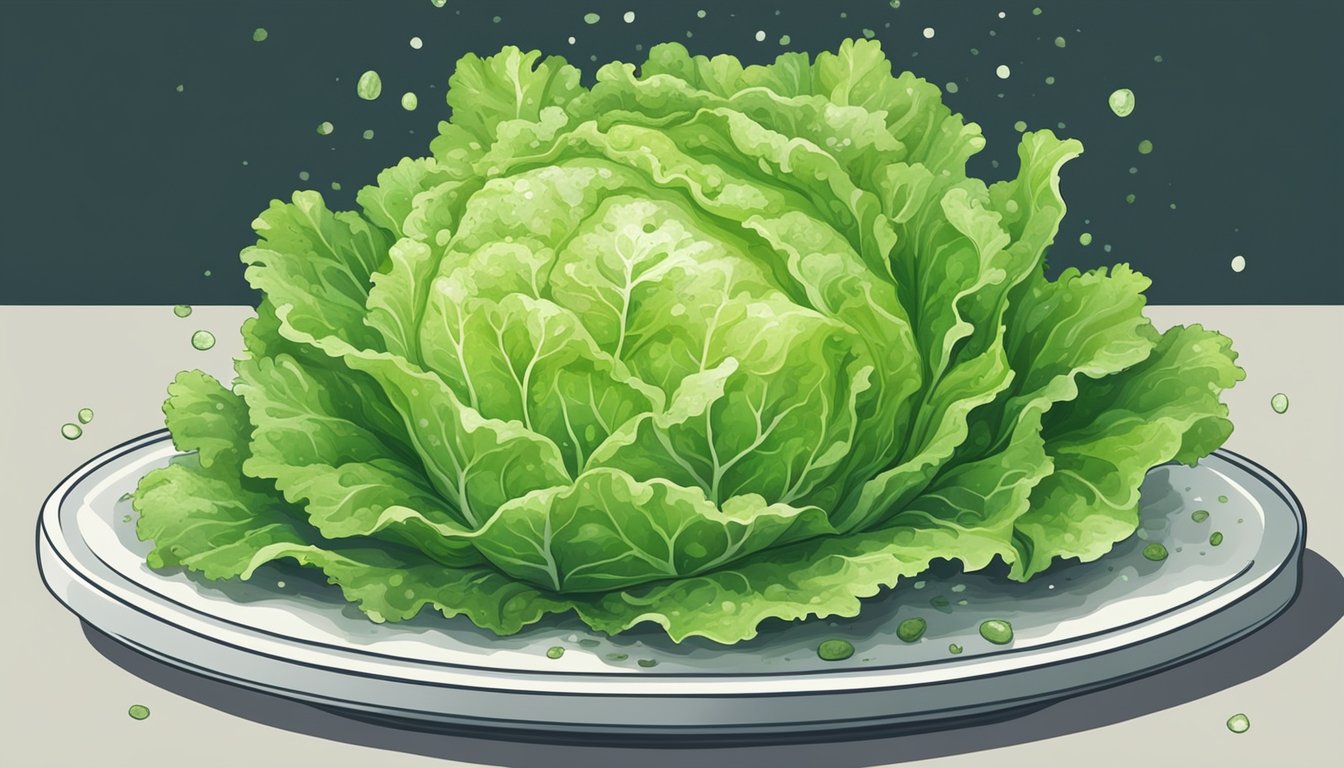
pixel 997 631
pixel 85 415
pixel 181 87
pixel 1020 126
pixel 1003 71
pixel 417 43
pixel 438 3
pixel 952 88
pixel 1199 515
pixel 369 86
pixel 869 34
pixel 368 134
pixel 760 35
pixel 202 340
pixel 303 176
pixel 259 34
pixel 647 663
pixel 1279 402
pixel 929 33
pixel 325 128
pixel 409 101
pixel 1155 552
pixel 629 17
pixel 1035 11
pixel 591 18
pixel 1085 238
pixel 1238 263
pixel 911 630
pixel 835 650
pixel 1060 42
pixel 555 652
pixel 1121 102
pixel 1049 79
pixel 140 711
pixel 71 431
pixel 1238 723
pixel 1145 147
pixel 1215 538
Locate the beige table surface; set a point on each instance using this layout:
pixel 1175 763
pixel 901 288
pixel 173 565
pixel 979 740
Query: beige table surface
pixel 64 697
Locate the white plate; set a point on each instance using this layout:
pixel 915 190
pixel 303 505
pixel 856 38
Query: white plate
pixel 1076 628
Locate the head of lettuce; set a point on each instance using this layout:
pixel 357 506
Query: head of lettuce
pixel 701 345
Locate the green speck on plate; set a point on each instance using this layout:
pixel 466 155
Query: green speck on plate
pixel 911 630
pixel 997 631
pixel 555 652
pixel 835 650
pixel 1199 515
pixel 1222 499
pixel 182 310
pixel 368 134
pixel 1215 538
pixel 940 601
pixel 870 34
pixel 1130 198
pixel 1085 238
pixel 1279 402
pixel 1238 723
pixel 138 712
pixel 1060 42
pixel 85 415
pixel 1155 552
pixel 125 518
pixel 181 87
pixel 1121 102
pixel 646 663
pixel 325 128
pixel 259 34
pixel 409 101
pixel 369 86
pixel 954 649
pixel 1145 147
pixel 71 431
pixel 202 340
pixel 591 18
pixel 438 3
pixel 618 656
pixel 589 642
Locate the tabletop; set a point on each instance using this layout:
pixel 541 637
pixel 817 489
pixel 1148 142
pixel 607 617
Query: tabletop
pixel 68 690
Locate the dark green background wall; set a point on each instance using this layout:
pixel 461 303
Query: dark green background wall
pixel 117 188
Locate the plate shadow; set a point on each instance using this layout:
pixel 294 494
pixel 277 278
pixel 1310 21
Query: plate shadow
pixel 1318 606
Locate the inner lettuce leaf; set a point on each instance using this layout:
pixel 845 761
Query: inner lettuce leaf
pixel 701 345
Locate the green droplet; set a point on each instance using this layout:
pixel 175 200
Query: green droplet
pixel 785 39
pixel 1130 198
pixel 911 630
pixel 591 18
pixel 438 3
pixel 125 518
pixel 1060 42
pixel 1121 101
pixel 952 88
pixel 1020 126
pixel 260 34
pixel 207 273
pixel 138 712
pixel 85 415
pixel 894 4
pixel 1215 538
pixel 618 656
pixel 202 340
pixel 1279 402
pixel 303 175
pixel 1145 147
pixel 1222 499
pixel 1049 79
pixel 409 101
pixel 870 34
pixel 646 663
pixel 1199 515
pixel 940 602
pixel 368 133
pixel 1085 238
pixel 835 650
pixel 589 642
pixel 1035 11
pixel 997 631
pixel 1158 58
pixel 336 186
pixel 181 87
pixel 954 649
pixel 369 86
pixel 1155 552
pixel 325 128
pixel 182 310
pixel 71 431
pixel 1238 723
pixel 555 652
